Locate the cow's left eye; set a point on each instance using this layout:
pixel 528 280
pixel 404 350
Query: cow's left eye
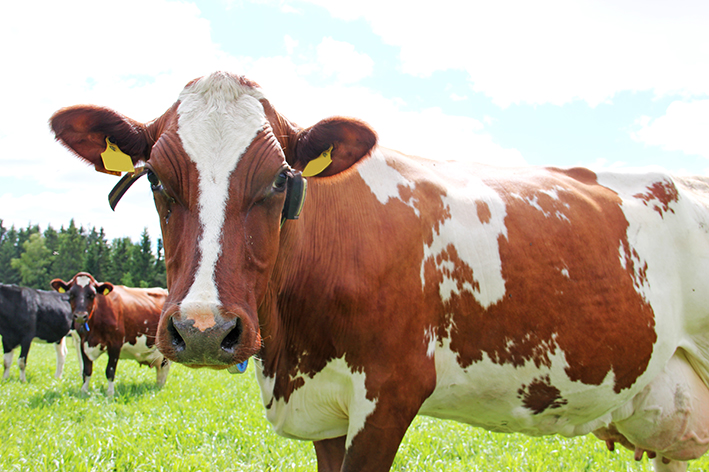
pixel 279 185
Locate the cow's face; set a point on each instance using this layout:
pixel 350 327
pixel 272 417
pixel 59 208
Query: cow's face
pixel 82 290
pixel 221 159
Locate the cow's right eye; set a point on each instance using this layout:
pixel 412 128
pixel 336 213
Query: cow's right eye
pixel 155 184
pixel 279 185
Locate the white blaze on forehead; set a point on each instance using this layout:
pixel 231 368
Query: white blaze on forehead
pixel 218 118
pixel 83 281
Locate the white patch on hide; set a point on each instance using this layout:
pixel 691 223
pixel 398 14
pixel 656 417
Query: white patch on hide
pixel 487 394
pixel 333 403
pixel 475 242
pixel 383 180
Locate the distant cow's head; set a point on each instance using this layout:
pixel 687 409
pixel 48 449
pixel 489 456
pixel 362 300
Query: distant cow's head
pixel 82 290
pixel 221 158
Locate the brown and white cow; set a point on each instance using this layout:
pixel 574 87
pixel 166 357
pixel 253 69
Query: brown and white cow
pixel 120 320
pixel 533 300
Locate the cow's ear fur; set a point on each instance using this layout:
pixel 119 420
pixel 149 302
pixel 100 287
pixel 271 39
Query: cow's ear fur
pixel 104 288
pixel 84 129
pixel 59 285
pixel 350 139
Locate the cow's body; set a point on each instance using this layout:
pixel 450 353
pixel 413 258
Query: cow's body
pixel 27 314
pixel 532 300
pixel 116 319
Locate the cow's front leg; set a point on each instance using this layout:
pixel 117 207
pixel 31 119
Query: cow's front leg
pixel 6 364
pixel 60 347
pixel 22 360
pixel 374 446
pixel 113 355
pixel 330 454
pixel 86 371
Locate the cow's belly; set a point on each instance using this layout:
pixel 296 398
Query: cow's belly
pixel 331 404
pixel 141 352
pixel 526 399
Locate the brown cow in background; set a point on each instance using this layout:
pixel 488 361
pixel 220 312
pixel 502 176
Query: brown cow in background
pixel 120 320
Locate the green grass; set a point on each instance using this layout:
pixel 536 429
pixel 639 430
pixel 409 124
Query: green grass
pixel 206 420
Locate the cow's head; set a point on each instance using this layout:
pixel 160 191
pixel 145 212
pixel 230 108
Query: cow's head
pixel 220 158
pixel 82 290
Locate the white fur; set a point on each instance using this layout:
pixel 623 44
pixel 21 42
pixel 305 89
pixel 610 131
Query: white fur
pixel 61 349
pixel 476 242
pixel 383 180
pixel 218 119
pixel 7 363
pixel 83 281
pixel 330 404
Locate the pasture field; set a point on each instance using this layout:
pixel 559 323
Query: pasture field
pixel 206 420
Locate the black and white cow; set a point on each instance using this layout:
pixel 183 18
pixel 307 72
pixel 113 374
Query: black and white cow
pixel 26 314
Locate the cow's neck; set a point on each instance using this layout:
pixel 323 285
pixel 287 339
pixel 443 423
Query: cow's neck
pixel 302 317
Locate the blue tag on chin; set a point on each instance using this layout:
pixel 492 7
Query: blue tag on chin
pixel 86 326
pixel 239 368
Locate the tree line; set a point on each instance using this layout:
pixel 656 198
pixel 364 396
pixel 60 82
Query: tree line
pixel 32 258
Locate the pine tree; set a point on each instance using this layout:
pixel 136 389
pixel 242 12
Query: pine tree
pixel 121 260
pixel 9 250
pixel 160 278
pixel 143 261
pixel 97 254
pixel 71 252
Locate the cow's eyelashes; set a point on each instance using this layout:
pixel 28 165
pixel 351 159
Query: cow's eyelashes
pixel 279 185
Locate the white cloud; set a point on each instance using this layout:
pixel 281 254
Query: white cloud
pixel 86 51
pixel 290 43
pixel 683 128
pixel 340 59
pixel 549 51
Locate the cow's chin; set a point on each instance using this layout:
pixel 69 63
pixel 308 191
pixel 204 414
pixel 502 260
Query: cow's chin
pixel 81 328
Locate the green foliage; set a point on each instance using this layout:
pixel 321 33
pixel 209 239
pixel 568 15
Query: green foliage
pixel 209 421
pixel 97 254
pixel 39 257
pixel 9 250
pixel 71 252
pixel 33 262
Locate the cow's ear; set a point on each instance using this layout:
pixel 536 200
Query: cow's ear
pixel 331 146
pixel 91 131
pixel 104 288
pixel 59 285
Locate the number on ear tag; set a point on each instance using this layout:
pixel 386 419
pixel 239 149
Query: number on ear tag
pixel 318 164
pixel 115 160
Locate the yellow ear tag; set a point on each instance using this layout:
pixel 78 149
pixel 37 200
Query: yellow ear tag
pixel 318 164
pixel 115 160
pixel 61 290
pixel 106 291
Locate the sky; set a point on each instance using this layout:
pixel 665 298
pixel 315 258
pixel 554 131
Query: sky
pixel 606 84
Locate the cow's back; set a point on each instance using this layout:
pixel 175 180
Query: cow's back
pixel 140 310
pixel 54 316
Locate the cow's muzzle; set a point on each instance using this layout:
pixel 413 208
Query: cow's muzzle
pixel 220 345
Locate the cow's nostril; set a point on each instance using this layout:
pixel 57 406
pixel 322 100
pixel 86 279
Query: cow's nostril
pixel 175 339
pixel 231 340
